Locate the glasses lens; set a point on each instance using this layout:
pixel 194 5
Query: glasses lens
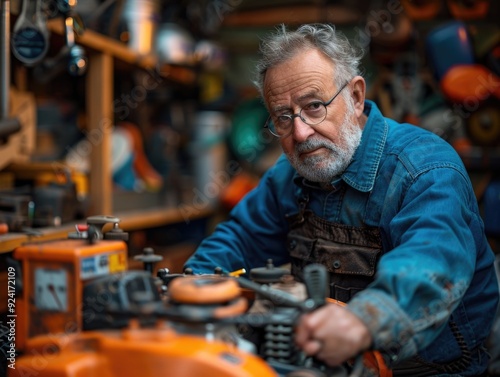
pixel 272 128
pixel 313 113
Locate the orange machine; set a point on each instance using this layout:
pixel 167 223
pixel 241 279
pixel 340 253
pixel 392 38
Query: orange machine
pixel 137 352
pixel 83 314
pixel 153 349
pixel 53 277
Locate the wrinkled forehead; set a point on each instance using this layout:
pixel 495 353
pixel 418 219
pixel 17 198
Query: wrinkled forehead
pixel 303 76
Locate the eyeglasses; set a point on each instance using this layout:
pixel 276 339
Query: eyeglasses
pixel 312 114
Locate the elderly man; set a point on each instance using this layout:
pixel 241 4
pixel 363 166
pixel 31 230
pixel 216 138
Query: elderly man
pixel 388 208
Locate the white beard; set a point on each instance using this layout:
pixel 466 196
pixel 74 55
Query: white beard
pixel 321 169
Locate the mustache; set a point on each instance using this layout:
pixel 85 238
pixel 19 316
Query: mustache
pixel 312 144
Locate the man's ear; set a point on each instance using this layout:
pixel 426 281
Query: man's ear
pixel 358 92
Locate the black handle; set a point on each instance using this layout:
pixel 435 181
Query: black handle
pixel 316 281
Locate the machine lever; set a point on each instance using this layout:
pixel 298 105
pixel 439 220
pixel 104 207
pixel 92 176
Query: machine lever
pixel 316 282
pixel 276 296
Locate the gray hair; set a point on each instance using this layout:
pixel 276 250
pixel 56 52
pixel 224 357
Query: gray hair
pixel 283 45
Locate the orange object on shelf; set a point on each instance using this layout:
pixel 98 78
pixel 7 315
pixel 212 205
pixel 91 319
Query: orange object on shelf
pixel 459 9
pixel 462 145
pixel 468 10
pixel 239 186
pixel 422 9
pixel 470 84
pixel 4 228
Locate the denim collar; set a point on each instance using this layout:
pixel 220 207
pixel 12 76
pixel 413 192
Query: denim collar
pixel 361 172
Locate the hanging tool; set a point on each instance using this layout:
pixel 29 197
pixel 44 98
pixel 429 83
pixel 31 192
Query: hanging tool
pixel 30 37
pixel 72 56
pixel 8 126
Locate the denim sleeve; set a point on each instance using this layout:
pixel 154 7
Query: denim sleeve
pixel 434 237
pixel 254 232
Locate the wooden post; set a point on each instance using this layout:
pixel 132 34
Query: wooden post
pixel 100 124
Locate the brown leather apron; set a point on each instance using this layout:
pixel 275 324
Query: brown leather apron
pixel 350 254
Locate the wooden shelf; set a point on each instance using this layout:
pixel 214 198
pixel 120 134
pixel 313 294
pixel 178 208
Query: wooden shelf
pixel 10 241
pixel 109 46
pixel 144 219
pixel 103 52
pixel 122 53
pixel 130 221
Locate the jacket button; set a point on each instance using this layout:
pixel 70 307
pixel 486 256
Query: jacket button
pixel 336 264
pixel 293 244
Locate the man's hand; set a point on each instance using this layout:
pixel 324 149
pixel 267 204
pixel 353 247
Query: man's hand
pixel 332 334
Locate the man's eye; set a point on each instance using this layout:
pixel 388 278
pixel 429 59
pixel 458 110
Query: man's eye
pixel 313 106
pixel 283 119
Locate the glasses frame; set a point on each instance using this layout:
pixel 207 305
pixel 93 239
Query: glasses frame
pixel 298 115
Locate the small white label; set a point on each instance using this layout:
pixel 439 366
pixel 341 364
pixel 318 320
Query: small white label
pixel 94 266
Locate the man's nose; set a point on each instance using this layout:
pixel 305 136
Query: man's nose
pixel 301 130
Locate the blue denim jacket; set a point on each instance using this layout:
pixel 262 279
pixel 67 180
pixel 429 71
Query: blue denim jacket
pixel 436 263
